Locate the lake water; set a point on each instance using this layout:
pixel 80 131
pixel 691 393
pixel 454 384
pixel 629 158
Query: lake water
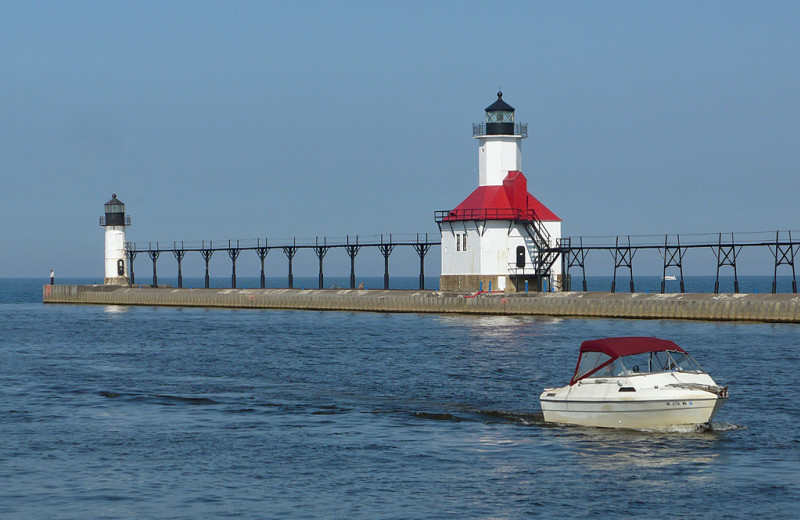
pixel 141 412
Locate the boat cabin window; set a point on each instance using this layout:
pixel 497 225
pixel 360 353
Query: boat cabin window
pixel 598 364
pixel 653 362
pixel 673 360
pixel 640 364
pixel 589 361
pixel 613 369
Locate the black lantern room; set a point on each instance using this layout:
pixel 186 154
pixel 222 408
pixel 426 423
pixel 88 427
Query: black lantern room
pixel 499 117
pixel 115 213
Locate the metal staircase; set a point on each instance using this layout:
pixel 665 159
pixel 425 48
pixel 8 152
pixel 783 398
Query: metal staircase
pixel 546 254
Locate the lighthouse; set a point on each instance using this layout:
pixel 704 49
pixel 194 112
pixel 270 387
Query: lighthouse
pixel 500 237
pixel 115 222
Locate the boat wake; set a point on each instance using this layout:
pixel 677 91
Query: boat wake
pixel 523 419
pixel 470 414
pixel 694 428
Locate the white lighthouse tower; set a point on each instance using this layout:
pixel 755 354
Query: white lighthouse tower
pixel 501 236
pixel 116 262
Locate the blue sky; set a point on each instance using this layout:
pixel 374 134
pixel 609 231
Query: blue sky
pixel 226 120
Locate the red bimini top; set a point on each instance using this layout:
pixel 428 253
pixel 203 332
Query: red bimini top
pixel 615 348
pixel 511 201
pixel 618 347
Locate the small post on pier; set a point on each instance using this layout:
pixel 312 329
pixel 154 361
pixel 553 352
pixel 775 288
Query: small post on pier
pixel 386 250
pixel 290 251
pixel 673 257
pixel 262 251
pixel 726 255
pixel 233 252
pixel 784 254
pixel 421 249
pixel 566 280
pixel 154 257
pixel 576 258
pixel 623 257
pixel 352 251
pixel 131 256
pixel 207 257
pixel 321 250
pixel 179 254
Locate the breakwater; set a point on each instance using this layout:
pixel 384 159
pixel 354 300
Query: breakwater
pixel 695 306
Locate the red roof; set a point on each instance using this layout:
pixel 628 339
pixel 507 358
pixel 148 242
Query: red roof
pixel 617 347
pixel 511 201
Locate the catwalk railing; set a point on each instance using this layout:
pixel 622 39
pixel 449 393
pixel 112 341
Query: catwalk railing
pixel 479 129
pixel 572 251
pixel 421 242
pixel 725 247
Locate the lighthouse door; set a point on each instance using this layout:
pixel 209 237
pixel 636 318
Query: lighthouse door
pixel 520 256
pixel 120 267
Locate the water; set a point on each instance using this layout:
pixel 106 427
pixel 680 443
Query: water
pixel 140 412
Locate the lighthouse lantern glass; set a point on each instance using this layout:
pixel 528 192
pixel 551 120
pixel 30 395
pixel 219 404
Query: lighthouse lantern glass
pixel 500 116
pixel 115 213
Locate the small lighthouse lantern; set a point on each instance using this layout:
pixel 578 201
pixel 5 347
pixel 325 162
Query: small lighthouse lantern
pixel 114 222
pixel 115 213
pixel 500 117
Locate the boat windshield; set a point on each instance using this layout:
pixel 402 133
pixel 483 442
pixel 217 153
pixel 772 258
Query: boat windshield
pixel 673 360
pixel 598 364
pixel 654 362
pixel 588 362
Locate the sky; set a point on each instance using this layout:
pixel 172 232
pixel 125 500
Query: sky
pixel 239 120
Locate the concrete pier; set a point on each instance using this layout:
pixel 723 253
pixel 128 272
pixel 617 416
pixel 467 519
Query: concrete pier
pixel 697 306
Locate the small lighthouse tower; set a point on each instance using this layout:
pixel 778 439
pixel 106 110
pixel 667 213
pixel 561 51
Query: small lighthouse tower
pixel 501 236
pixel 115 222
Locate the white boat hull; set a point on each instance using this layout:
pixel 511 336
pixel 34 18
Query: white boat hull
pixel 637 402
pixel 632 414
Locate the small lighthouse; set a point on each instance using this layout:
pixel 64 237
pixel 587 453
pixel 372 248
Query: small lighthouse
pixel 500 237
pixel 115 222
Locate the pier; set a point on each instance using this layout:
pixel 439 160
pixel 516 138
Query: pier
pixel 783 308
pixel 573 252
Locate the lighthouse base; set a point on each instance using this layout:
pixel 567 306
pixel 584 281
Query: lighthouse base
pixel 116 280
pixel 472 283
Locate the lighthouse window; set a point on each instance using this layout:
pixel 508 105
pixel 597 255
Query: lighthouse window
pixel 465 241
pixel 458 242
pixel 500 117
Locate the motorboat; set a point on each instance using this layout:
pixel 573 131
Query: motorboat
pixel 634 382
pixel 669 278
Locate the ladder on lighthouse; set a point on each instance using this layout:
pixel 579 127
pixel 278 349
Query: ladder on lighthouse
pixel 546 255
